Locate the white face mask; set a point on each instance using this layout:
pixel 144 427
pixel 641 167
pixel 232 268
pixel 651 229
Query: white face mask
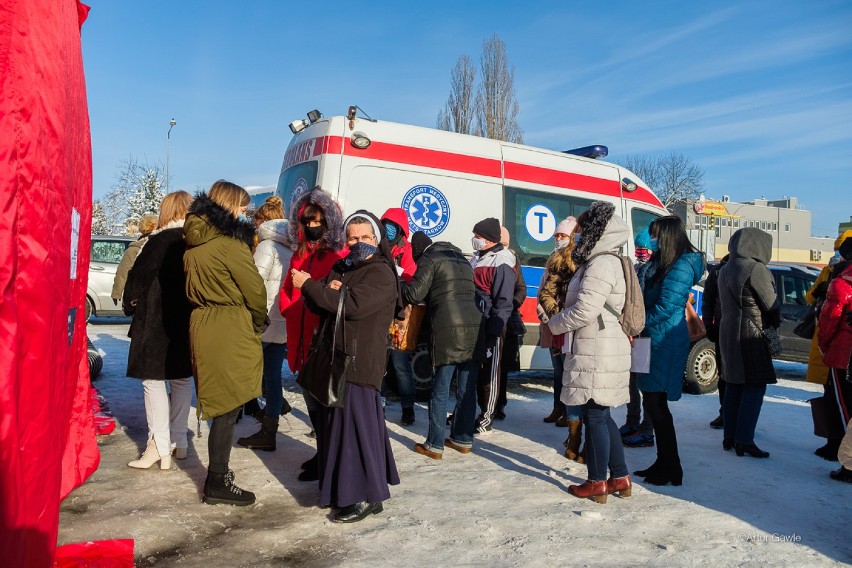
pixel 562 244
pixel 477 243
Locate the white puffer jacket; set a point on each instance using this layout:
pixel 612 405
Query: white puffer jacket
pixel 272 257
pixel 597 362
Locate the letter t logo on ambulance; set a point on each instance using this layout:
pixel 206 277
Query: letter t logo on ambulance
pixel 427 210
pixel 540 222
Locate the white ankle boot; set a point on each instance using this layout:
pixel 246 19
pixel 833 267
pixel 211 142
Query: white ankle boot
pixel 150 457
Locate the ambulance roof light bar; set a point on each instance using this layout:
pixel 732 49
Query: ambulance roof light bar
pixel 593 152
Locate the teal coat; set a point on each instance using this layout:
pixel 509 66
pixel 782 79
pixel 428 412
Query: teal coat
pixel 665 322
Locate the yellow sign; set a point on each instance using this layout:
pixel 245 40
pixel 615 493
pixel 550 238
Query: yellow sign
pixel 710 208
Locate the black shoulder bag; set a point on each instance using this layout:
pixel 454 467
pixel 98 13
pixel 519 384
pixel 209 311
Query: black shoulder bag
pixel 324 372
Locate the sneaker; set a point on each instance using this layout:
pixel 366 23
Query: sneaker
pixel 626 430
pixel 482 430
pixel 638 441
pixel 717 423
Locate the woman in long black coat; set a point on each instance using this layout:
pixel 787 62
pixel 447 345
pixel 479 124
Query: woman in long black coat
pixel 356 463
pixel 159 335
pixel 749 304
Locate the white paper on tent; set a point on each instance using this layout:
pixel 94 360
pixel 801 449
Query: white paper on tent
pixel 640 355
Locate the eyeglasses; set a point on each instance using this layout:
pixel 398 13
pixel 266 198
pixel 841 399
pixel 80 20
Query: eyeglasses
pixel 363 239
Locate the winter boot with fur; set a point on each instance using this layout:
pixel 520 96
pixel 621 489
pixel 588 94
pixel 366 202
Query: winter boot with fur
pixel 265 439
pixel 219 489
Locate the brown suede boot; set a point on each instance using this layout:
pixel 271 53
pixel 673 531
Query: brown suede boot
pixel 575 437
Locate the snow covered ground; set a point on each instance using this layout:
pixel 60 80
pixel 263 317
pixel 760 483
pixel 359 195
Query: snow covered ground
pixel 504 505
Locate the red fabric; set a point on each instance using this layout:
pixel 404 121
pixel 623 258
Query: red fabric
pixel 834 329
pixel 96 554
pixel 401 252
pixel 47 442
pixel 301 329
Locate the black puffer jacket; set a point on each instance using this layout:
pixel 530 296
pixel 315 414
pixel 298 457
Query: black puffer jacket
pixel 155 293
pixel 369 305
pixel 444 280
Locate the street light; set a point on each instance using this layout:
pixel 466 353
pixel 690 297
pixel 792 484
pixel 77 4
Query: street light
pixel 172 123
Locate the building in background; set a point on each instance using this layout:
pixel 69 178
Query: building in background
pixel 711 224
pixel 845 226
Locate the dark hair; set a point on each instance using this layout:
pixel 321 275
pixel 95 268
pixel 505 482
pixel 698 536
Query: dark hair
pixel 672 242
pixel 311 212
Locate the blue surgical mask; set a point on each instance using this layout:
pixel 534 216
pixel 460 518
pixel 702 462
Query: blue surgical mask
pixel 391 231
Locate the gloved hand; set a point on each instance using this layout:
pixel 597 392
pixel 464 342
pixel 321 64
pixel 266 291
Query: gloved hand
pixel 115 301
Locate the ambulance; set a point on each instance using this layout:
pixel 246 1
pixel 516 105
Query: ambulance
pixel 446 182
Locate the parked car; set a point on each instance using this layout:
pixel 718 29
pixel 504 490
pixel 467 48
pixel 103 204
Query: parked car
pixel 106 253
pixel 792 281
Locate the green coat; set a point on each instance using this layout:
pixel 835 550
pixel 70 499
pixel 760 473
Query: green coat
pixel 229 308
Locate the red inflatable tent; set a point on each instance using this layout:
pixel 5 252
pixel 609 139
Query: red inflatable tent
pixel 47 441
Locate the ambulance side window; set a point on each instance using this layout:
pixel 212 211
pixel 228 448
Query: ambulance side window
pixel 294 181
pixel 641 220
pixel 532 216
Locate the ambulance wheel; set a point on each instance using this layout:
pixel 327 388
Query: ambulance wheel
pixel 702 372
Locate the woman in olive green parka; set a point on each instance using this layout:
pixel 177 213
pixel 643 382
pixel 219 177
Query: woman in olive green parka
pixel 229 310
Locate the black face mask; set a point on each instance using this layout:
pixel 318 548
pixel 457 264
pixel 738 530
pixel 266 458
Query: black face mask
pixel 314 234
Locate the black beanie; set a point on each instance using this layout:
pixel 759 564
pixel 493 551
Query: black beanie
pixel 488 229
pixel 845 249
pixel 419 243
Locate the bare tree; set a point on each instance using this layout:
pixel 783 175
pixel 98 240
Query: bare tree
pixel 138 190
pixel 496 106
pixel 672 176
pixel 459 112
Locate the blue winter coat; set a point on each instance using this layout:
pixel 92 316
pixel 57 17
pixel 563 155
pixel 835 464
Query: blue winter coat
pixel 665 323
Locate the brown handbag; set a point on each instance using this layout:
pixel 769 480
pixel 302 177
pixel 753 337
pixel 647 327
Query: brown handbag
pixel 693 323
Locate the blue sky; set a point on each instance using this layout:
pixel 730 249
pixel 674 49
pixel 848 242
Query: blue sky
pixel 758 94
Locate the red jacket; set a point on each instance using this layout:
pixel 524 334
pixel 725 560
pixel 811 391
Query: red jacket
pixel 834 329
pixel 301 322
pixel 401 252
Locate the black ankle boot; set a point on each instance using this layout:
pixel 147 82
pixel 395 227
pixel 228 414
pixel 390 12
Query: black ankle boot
pixel 750 449
pixel 666 475
pixel 727 444
pixel 265 438
pixel 656 466
pixel 829 450
pixel 407 416
pixel 219 489
pixel 357 512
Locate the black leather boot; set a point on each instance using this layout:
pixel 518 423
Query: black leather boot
pixel 265 438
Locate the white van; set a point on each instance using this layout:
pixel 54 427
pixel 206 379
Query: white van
pixel 447 182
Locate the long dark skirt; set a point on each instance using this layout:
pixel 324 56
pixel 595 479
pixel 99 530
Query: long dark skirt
pixel 355 458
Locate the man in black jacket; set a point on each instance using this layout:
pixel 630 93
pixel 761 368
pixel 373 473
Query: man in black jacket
pixel 444 281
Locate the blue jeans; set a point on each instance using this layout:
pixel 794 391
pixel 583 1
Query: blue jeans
pixel 603 443
pixel 742 409
pixel 571 412
pixel 464 416
pixel 401 361
pixel 273 359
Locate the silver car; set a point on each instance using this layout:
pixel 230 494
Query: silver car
pixel 106 253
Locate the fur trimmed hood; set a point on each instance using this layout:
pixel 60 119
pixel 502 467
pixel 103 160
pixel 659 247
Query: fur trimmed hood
pixel 602 232
pixel 334 237
pixel 206 220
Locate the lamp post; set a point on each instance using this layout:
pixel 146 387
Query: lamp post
pixel 172 123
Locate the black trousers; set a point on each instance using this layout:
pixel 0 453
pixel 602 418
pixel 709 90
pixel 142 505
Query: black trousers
pixel 656 406
pixel 220 441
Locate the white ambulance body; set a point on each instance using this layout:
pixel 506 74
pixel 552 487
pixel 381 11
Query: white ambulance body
pixel 447 182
